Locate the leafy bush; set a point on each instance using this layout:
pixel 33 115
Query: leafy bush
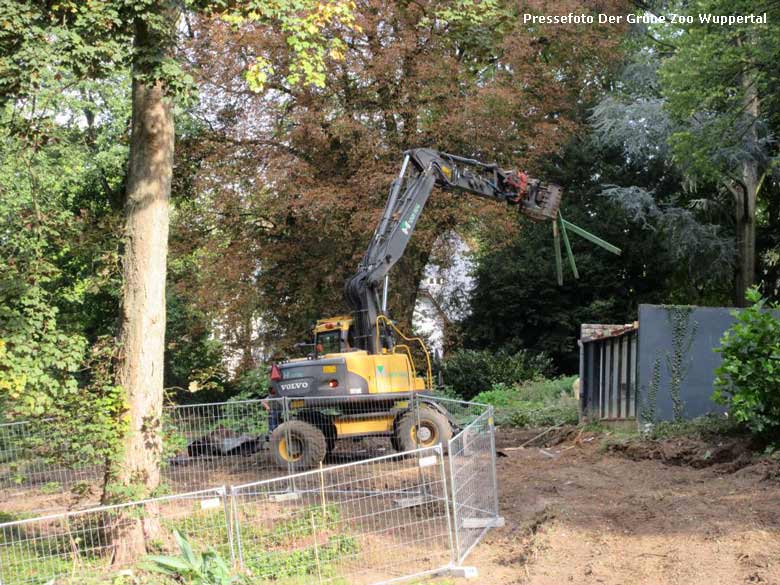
pixel 501 396
pixel 469 372
pixel 546 389
pixel 252 384
pixel 536 403
pixel 537 414
pixel 748 380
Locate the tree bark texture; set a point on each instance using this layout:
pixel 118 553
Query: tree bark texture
pixel 746 197
pixel 142 317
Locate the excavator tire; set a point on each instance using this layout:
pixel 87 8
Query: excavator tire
pixel 298 445
pixel 424 428
pixel 322 422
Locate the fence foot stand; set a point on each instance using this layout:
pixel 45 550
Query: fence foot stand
pixel 284 497
pixel 464 572
pixel 497 522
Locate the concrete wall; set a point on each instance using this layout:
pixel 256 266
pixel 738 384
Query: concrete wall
pixel 685 335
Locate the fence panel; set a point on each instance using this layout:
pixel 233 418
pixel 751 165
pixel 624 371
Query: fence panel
pixel 359 521
pixel 462 413
pixel 220 443
pixel 474 486
pixel 77 544
pixel 26 448
pixel 367 522
pixel 208 445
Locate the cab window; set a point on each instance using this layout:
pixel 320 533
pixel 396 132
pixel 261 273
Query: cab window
pixel 330 342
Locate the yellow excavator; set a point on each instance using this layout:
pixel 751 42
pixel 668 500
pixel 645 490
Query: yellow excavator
pixel 361 380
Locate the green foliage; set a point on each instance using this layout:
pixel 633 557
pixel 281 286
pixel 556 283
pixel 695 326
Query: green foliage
pixel 58 275
pixel 711 426
pixel 704 83
pixel 649 409
pixel 536 403
pixel 194 370
pixel 252 384
pixel 562 412
pixel 469 372
pixel 303 562
pixel 206 568
pixel 748 380
pixel 308 27
pixel 678 361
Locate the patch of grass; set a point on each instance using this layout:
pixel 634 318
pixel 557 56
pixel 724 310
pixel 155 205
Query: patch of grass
pixel 303 562
pixel 52 487
pixel 9 517
pixel 297 549
pixel 708 428
pixel 536 403
pixel 203 529
pixel 36 558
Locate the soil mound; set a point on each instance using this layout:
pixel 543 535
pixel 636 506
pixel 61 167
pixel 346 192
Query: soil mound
pixel 729 454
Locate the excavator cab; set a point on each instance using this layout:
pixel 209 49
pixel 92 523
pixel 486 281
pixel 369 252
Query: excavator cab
pixel 333 335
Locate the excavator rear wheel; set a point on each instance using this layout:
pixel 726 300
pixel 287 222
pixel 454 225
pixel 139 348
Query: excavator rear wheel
pixel 298 445
pixel 424 428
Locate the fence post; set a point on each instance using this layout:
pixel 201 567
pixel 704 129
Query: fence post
pixel 492 431
pixel 286 417
pixel 416 406
pixel 237 528
pixel 446 498
pixel 453 489
pixel 228 522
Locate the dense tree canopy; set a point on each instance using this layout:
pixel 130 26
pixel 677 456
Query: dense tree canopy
pixel 288 183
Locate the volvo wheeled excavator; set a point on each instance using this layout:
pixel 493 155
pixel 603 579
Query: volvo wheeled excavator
pixel 360 379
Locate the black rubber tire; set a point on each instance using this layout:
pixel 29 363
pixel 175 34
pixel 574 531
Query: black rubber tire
pixel 322 422
pixel 406 426
pixel 310 445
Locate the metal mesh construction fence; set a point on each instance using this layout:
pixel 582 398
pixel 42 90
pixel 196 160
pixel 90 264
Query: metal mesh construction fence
pixel 206 445
pixel 220 443
pixel 24 464
pixel 353 520
pixel 474 487
pixel 366 522
pixel 93 542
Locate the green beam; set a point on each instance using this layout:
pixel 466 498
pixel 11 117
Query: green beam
pixel 569 253
pixel 558 259
pixel 590 237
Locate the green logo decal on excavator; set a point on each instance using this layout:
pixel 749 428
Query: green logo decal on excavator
pixel 386 373
pixel 406 226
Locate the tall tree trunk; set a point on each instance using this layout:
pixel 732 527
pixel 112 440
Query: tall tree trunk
pixel 746 198
pixel 142 318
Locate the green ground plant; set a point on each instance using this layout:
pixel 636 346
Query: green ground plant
pixel 313 525
pixel 710 426
pixel 195 568
pixel 536 403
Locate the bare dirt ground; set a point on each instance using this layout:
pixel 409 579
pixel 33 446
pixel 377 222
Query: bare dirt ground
pixel 673 512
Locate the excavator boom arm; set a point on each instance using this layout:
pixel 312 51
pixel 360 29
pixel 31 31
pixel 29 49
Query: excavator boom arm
pixel 422 170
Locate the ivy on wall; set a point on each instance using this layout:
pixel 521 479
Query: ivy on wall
pixel 678 361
